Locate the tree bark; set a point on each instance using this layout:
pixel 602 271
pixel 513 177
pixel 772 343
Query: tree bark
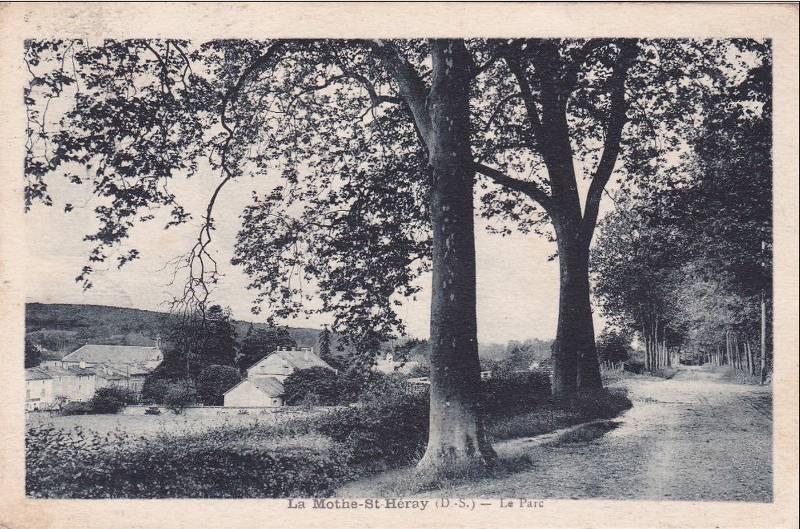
pixel 457 435
pixel 575 362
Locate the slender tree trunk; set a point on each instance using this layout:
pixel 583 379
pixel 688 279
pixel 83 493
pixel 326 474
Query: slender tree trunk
pixel 728 347
pixel 457 431
pixel 575 363
pixel 763 335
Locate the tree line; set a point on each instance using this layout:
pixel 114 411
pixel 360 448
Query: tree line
pixel 685 259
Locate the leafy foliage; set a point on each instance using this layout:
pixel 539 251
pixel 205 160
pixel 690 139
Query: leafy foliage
pixel 214 381
pixel 32 354
pixel 315 386
pixel 691 250
pixel 179 395
pixel 613 347
pixel 259 342
pixel 110 400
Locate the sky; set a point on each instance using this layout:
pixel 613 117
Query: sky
pixel 517 285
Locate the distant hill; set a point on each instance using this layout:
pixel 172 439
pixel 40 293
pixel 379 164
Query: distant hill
pixel 61 328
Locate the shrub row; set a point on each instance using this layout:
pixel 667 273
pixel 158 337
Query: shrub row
pixel 80 465
pixel 105 400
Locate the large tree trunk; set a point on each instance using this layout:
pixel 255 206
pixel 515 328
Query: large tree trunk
pixel 457 435
pixel 575 363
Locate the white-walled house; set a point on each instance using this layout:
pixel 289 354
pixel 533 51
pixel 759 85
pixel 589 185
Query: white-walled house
pixel 38 390
pixel 283 363
pixel 260 392
pixel 263 387
pixel 73 383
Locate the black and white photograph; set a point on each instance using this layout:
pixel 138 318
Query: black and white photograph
pixel 421 273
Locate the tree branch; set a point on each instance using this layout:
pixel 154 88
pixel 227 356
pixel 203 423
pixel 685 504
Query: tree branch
pixel 589 47
pixel 199 253
pixel 499 108
pixel 616 121
pixel 528 188
pixel 512 60
pixel 412 88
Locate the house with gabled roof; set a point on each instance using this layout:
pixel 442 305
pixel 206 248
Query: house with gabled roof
pixel 70 382
pixel 90 367
pixel 147 357
pixel 263 386
pixel 261 392
pixel 38 389
pixel 284 362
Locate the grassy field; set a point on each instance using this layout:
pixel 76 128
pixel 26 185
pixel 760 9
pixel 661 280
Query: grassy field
pixel 150 425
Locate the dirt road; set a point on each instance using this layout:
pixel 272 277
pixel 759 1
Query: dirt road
pixel 693 437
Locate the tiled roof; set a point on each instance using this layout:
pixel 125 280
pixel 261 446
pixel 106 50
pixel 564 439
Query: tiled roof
pixel 71 371
pixel 34 373
pixel 301 359
pixel 113 354
pixel 269 385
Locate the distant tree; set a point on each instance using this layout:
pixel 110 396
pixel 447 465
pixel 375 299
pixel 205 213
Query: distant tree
pixel 612 346
pixel 316 385
pixel 259 342
pixel 686 260
pixel 154 389
pixel 217 344
pixel 325 343
pixel 214 381
pixel 33 355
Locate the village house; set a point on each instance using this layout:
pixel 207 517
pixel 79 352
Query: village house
pixel 118 356
pixel 38 390
pixel 79 374
pixel 263 386
pixel 70 383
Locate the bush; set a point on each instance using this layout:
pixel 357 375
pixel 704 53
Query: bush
pixel 633 366
pixel 386 432
pixel 509 393
pixel 154 390
pixel 158 390
pixel 179 395
pixel 110 400
pixel 552 415
pixel 76 408
pixel 316 385
pixel 214 381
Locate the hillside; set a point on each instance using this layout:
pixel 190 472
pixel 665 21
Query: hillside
pixel 62 328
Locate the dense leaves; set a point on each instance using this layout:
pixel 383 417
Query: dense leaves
pixel 690 252
pixel 214 381
pixel 259 342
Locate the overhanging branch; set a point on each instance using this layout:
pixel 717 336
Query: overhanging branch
pixel 530 189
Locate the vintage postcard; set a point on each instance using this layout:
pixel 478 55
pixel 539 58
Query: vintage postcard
pixel 399 265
